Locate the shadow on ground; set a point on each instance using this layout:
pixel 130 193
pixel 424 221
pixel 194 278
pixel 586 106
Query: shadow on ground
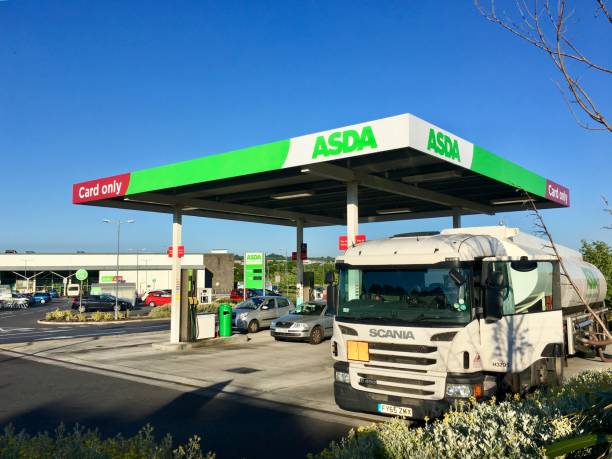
pixel 38 397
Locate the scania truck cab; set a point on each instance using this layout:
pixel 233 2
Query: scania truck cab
pixel 426 319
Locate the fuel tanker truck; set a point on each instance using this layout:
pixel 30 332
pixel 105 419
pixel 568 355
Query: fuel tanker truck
pixel 426 319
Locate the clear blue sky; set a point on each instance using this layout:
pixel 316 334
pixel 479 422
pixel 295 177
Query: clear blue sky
pixel 94 88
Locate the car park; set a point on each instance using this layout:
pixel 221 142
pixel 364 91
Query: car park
pixel 258 312
pixel 311 321
pixel 41 297
pixel 100 303
pixel 157 298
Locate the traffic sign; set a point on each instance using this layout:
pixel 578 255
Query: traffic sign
pixel 81 274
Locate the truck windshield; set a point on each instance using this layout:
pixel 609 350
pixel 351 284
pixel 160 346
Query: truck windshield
pixel 405 296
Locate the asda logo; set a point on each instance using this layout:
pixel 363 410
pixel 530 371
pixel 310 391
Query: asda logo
pixel 443 145
pixel 344 142
pixel 254 257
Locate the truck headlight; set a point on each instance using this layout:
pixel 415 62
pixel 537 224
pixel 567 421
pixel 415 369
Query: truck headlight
pixel 298 326
pixel 459 390
pixel 343 377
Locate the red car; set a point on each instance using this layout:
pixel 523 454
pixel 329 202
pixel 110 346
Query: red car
pixel 157 298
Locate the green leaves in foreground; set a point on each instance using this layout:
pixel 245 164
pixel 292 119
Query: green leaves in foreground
pixel 87 444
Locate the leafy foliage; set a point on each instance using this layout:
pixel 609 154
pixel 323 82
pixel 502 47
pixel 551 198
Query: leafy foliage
pixel 516 428
pixel 88 444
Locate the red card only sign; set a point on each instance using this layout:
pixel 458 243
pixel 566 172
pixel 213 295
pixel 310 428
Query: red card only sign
pixel 94 190
pixel 343 241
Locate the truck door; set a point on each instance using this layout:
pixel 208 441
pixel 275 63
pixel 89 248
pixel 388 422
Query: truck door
pixel 528 325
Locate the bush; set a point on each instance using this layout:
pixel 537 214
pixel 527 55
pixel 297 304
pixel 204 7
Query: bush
pixel 160 312
pixel 79 443
pixel 515 428
pixel 109 316
pixel 60 315
pixel 96 316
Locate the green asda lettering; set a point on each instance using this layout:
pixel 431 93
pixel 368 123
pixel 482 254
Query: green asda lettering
pixel 344 142
pixel 443 145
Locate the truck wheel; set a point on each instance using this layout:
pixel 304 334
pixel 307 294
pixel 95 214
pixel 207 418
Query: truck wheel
pixel 555 371
pixel 253 326
pixel 316 335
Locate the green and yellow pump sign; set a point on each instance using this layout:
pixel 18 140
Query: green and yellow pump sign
pixel 254 270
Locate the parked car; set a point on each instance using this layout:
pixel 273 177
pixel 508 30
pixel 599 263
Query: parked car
pixel 238 294
pixel 102 302
pixel 258 312
pixel 157 298
pixel 54 293
pixel 73 290
pixel 20 300
pixel 41 297
pixel 311 321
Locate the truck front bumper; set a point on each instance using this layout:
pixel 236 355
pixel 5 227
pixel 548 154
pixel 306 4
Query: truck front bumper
pixel 351 399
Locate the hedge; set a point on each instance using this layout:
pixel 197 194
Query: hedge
pixel 545 423
pixel 88 444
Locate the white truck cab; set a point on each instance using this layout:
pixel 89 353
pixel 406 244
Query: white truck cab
pixel 425 319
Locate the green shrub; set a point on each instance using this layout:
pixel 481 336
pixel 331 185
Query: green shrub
pixel 81 443
pixel 211 308
pixel 160 312
pixel 97 316
pixel 81 317
pixel 107 316
pixel 515 428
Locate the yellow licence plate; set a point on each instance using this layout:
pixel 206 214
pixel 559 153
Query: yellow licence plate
pixel 395 410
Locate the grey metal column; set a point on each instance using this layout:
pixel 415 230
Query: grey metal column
pixel 456 220
pixel 352 211
pixel 299 226
pixel 175 317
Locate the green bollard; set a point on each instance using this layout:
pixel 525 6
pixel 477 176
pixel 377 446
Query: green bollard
pixel 225 320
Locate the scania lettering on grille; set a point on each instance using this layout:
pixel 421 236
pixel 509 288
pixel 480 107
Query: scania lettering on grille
pixel 382 333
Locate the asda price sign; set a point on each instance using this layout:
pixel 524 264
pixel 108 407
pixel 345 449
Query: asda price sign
pixel 254 270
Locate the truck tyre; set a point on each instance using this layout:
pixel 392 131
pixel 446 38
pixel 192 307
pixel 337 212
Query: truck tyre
pixel 316 335
pixel 555 371
pixel 253 326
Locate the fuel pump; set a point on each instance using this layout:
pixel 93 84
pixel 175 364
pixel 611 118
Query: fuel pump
pixel 189 304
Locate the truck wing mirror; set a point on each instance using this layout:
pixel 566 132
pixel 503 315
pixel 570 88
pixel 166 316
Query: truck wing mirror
pixel 457 277
pixel 524 266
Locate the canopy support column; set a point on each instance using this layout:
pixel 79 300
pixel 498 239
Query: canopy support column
pixel 456 219
pixel 352 211
pixel 299 226
pixel 175 317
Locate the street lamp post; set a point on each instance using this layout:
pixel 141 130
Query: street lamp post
pixel 118 223
pixel 286 273
pixel 138 251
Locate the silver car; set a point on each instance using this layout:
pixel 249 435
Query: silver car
pixel 258 312
pixel 311 321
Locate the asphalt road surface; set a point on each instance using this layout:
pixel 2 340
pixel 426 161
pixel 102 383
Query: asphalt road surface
pixel 38 397
pixel 20 325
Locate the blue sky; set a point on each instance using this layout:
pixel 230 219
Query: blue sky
pixel 95 88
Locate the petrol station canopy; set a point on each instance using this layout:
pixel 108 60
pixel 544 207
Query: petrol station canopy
pixel 405 168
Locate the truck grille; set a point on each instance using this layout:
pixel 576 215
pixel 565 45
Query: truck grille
pixel 396 382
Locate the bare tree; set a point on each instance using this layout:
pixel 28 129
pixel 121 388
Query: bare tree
pixel 545 27
pixel 607 210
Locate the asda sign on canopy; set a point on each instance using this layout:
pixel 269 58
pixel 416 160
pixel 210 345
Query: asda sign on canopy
pixel 344 142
